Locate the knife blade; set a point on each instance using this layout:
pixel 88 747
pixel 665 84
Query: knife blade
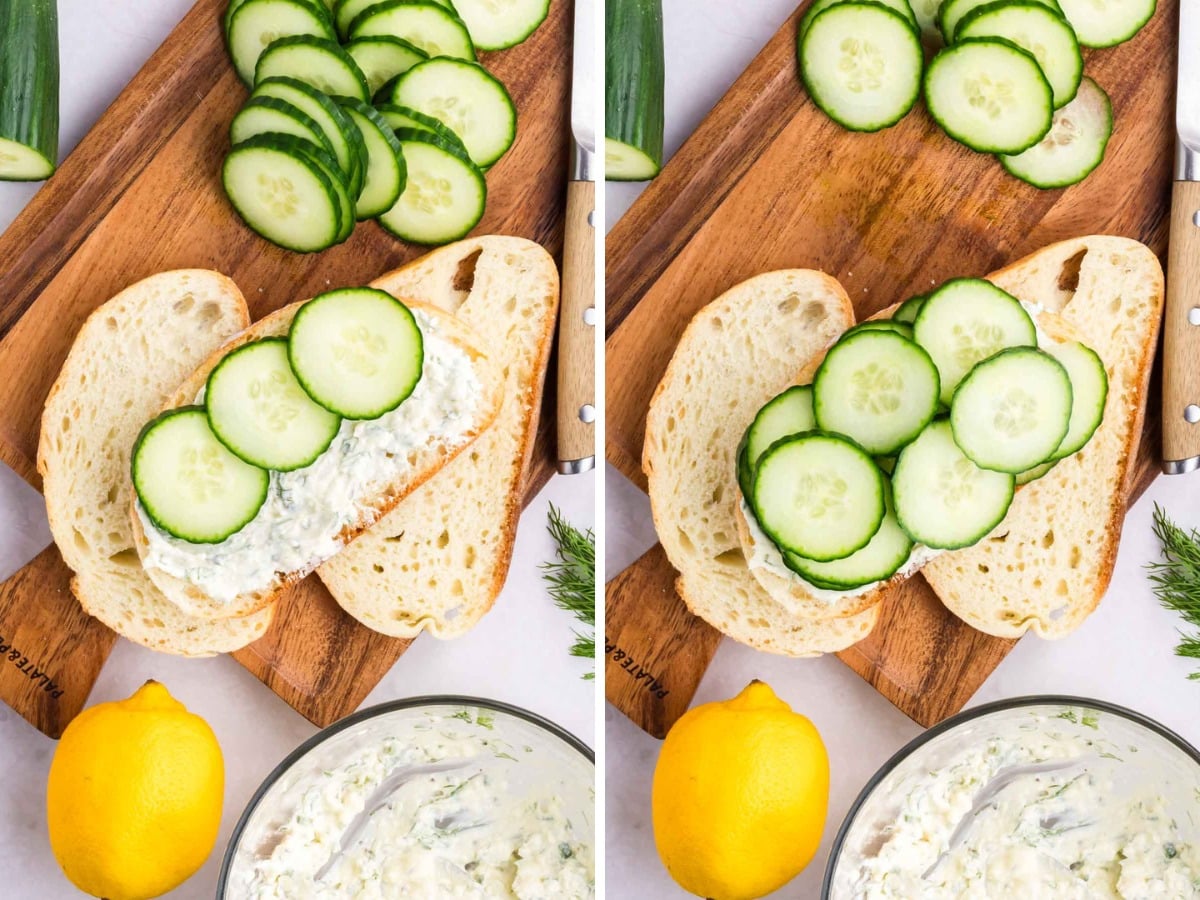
pixel 1181 323
pixel 577 312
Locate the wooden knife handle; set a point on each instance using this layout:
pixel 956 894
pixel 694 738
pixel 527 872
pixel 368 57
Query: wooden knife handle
pixel 577 334
pixel 1181 333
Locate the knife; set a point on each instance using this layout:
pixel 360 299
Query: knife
pixel 577 311
pixel 1181 327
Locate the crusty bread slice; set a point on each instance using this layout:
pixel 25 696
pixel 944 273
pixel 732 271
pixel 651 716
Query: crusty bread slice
pixel 1049 563
pixel 424 461
pixel 439 560
pixel 127 358
pixel 790 590
pixel 737 353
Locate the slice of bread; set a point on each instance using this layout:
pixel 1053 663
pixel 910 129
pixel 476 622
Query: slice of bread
pixel 117 375
pixel 737 353
pixel 439 560
pixel 793 592
pixel 1049 563
pixel 424 462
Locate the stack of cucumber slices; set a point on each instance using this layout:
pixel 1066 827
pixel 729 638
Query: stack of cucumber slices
pixel 276 404
pixel 916 430
pixel 1009 80
pixel 368 110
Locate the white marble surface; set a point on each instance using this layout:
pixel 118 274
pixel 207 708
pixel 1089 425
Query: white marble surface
pixel 518 654
pixel 1122 654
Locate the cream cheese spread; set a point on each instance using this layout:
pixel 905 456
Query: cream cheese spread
pixel 766 556
pixel 297 527
pixel 1079 833
pixel 460 833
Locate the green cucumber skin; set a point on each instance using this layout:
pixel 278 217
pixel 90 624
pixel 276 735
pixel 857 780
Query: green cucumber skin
pixel 633 75
pixel 29 77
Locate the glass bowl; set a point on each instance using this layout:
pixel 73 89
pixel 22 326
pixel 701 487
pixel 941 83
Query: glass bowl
pixel 544 759
pixel 1134 751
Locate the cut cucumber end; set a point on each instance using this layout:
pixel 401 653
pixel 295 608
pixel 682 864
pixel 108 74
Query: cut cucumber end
pixel 624 162
pixel 21 163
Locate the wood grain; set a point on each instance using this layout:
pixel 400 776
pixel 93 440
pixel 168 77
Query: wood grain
pixel 1181 335
pixel 768 182
pixel 51 651
pixel 141 194
pixel 576 338
pixel 653 682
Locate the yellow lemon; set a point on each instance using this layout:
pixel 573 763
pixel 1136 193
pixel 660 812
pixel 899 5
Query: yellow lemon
pixel 740 795
pixel 134 796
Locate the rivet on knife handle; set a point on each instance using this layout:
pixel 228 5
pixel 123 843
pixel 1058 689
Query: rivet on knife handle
pixel 577 334
pixel 1181 334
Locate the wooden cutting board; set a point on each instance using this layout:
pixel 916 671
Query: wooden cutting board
pixel 141 194
pixel 769 182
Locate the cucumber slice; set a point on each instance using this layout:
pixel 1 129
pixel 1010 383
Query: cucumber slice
pixel 861 64
pixel 952 12
pixel 346 11
pixel 329 166
pixel 386 172
pixel 382 58
pixel 1106 23
pixel 255 24
pixel 818 496
pixel 318 6
pixel 877 388
pixel 404 117
pixel 1075 145
pixel 358 352
pixel 283 194
pixel 900 6
pixel 904 329
pixel 258 410
pixel 430 27
pixel 907 311
pixel 444 196
pixel 879 560
pixel 467 100
pixel 1037 30
pixel 964 322
pixel 786 414
pixel 270 115
pixel 1089 394
pixel 317 61
pixel 624 162
pixel 926 13
pixel 1013 410
pixel 990 95
pixel 348 147
pixel 498 26
pixel 1036 472
pixel 943 500
pixel 189 484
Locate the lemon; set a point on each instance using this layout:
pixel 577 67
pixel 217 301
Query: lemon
pixel 134 796
pixel 740 794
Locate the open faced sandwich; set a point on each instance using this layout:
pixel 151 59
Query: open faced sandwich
pixel 243 458
pixel 801 465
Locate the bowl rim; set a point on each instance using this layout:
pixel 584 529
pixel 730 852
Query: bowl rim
pixel 373 712
pixel 969 715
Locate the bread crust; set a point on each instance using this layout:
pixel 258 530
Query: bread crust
pixel 190 598
pixel 396 615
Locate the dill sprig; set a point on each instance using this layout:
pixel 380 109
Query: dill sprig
pixel 1176 580
pixel 571 579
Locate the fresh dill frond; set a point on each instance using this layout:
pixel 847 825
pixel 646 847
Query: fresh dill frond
pixel 1176 580
pixel 571 579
